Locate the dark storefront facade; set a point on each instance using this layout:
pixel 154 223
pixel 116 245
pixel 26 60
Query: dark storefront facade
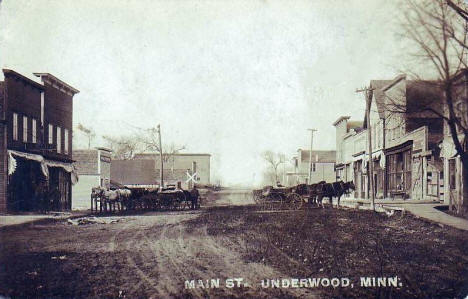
pixel 399 168
pixel 36 169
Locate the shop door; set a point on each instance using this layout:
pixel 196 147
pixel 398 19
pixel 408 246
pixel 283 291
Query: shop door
pixel 452 173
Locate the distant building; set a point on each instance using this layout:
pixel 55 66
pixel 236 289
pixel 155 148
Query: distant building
pixel 322 167
pixel 134 173
pixel 144 169
pixel 93 168
pixel 35 141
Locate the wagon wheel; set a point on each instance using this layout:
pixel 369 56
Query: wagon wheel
pixel 276 201
pixel 183 204
pixel 265 202
pixel 294 201
pixel 255 198
pixel 176 204
pixel 180 201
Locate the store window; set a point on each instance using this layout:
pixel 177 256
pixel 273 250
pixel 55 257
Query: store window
pixel 65 139
pixel 25 129
pixel 51 134
pixel 34 130
pixel 15 126
pixel 59 140
pixel 399 171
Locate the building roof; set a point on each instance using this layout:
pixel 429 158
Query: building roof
pixel 318 156
pixel 130 172
pixel 379 95
pixel 354 124
pixel 421 95
pixel 23 78
pixel 51 79
pixel 340 119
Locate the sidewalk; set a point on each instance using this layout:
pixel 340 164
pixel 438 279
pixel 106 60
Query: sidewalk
pixel 421 208
pixel 429 212
pixel 8 220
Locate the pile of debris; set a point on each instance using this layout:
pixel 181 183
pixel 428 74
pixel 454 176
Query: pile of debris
pixel 93 220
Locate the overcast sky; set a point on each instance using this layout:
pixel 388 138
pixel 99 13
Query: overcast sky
pixel 230 78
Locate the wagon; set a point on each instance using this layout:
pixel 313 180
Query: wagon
pixel 173 199
pixel 278 198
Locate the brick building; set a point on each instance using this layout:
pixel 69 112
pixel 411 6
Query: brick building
pixel 144 169
pixel 35 141
pixel 93 168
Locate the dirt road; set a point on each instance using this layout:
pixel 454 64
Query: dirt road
pixel 150 255
pixel 183 254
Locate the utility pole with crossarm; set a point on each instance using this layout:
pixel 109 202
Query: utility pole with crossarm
pixel 370 171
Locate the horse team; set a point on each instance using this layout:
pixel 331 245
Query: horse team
pixel 110 200
pixel 141 199
pixel 315 193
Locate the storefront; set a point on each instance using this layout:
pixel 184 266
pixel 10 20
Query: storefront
pixel 399 169
pixel 36 183
pixel 359 179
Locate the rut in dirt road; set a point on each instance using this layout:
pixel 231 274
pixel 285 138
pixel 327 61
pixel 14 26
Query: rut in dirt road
pixel 170 255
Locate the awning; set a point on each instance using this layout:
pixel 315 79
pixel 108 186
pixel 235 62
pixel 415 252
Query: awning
pixel 45 164
pixel 28 156
pixel 378 155
pixel 405 146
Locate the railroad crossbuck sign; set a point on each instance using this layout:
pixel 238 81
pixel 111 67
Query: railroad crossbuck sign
pixel 192 177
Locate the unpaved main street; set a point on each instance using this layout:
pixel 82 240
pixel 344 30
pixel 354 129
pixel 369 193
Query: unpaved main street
pixel 153 254
pixel 148 255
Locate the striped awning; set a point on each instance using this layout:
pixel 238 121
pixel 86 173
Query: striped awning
pixel 45 164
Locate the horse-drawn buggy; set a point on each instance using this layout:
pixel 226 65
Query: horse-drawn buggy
pixel 170 198
pixel 173 199
pixel 272 198
pixel 295 197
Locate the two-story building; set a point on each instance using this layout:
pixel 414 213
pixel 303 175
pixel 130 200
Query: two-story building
pixel 322 167
pixel 404 135
pixel 93 167
pixel 35 141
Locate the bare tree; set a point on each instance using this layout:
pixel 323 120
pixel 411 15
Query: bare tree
pixel 150 143
pixel 88 132
pixel 123 147
pixel 274 160
pixel 438 29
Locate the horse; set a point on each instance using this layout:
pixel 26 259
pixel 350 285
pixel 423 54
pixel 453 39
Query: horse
pixel 111 197
pixel 313 192
pixel 124 197
pixel 335 189
pixel 149 199
pixel 97 193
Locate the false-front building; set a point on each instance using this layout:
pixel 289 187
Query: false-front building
pixel 35 142
pixel 405 138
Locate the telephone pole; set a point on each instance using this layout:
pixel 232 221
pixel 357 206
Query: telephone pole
pixel 310 155
pixel 370 171
pixel 160 158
